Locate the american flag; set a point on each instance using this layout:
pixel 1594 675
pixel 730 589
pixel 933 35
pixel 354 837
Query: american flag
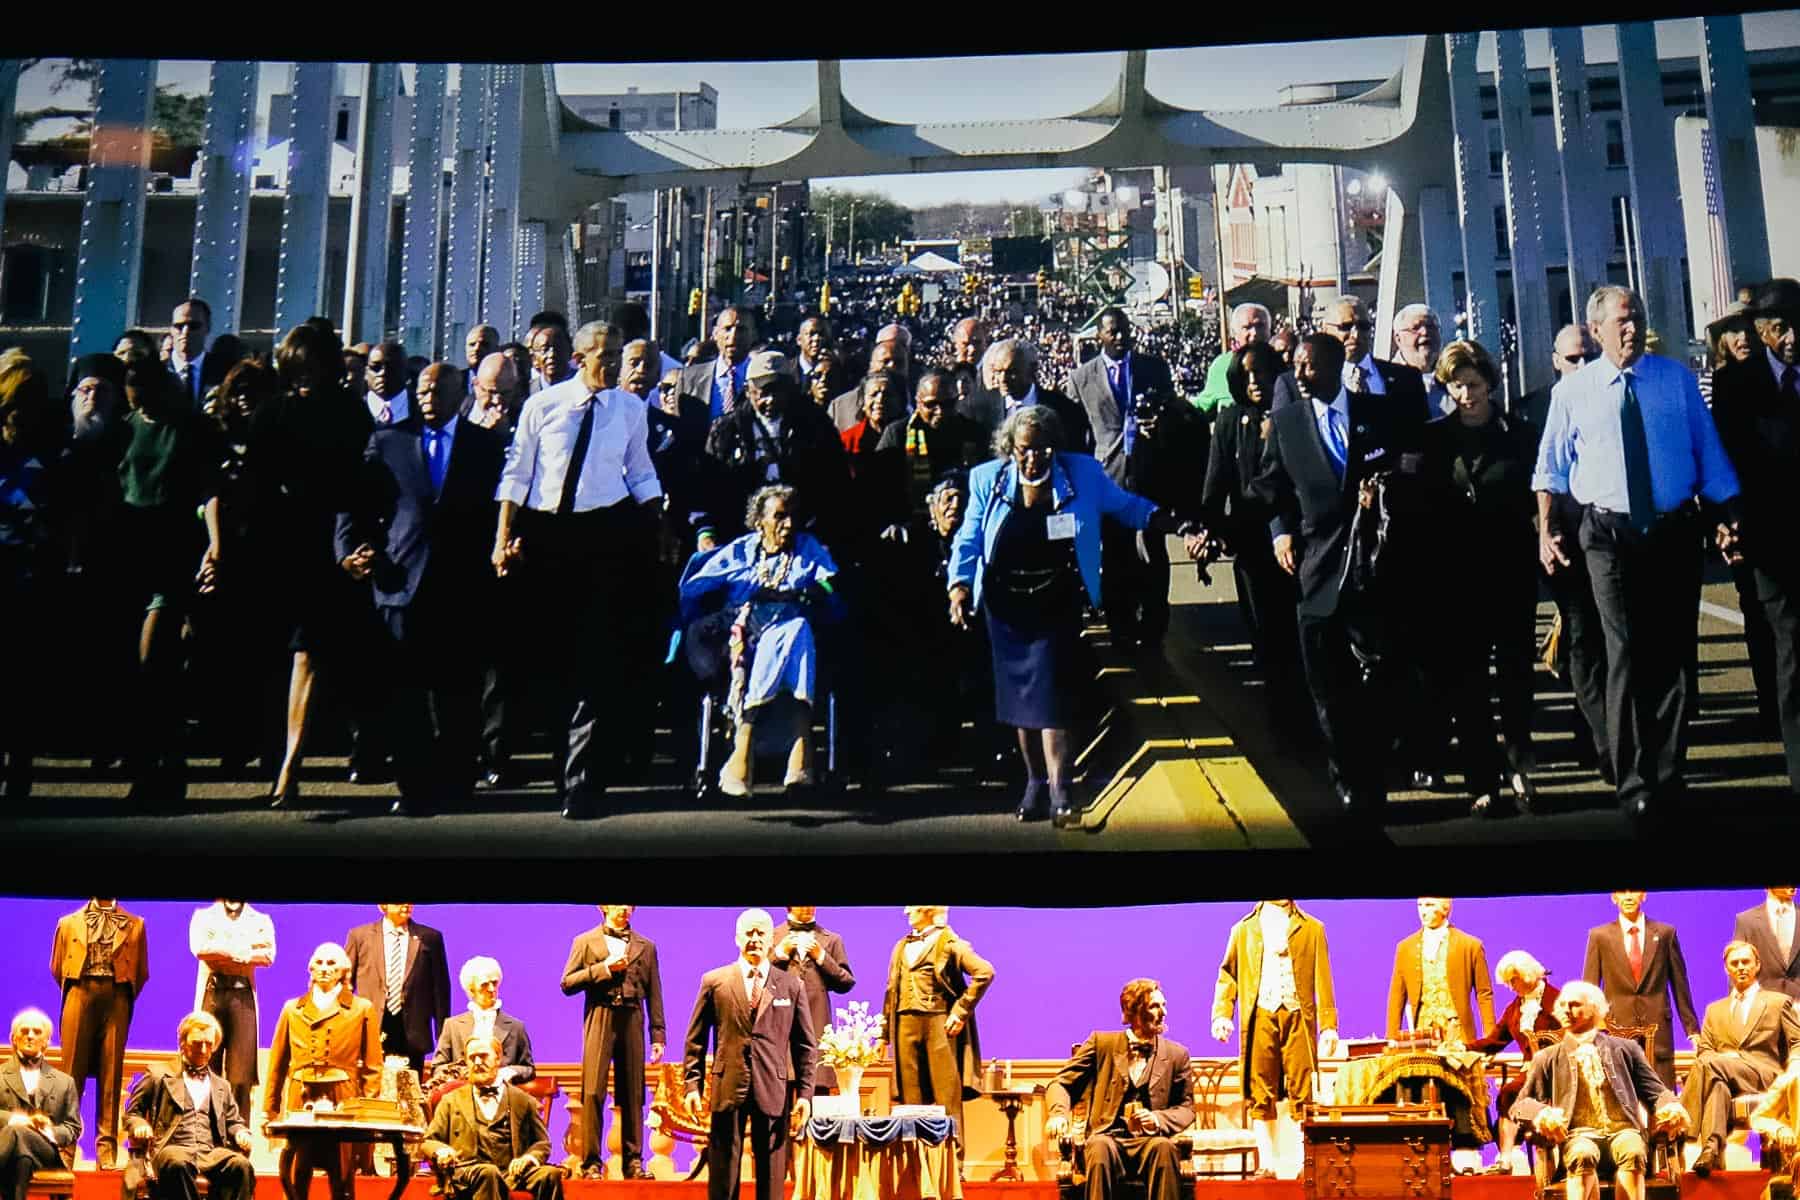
pixel 1722 292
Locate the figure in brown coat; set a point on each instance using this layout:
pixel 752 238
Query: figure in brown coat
pixel 935 980
pixel 101 962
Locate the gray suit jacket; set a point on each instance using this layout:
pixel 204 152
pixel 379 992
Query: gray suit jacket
pixel 56 1098
pixel 509 1031
pixel 1088 385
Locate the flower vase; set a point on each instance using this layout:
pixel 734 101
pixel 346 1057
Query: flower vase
pixel 849 1082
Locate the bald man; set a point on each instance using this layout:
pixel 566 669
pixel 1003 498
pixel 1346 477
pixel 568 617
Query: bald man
pixel 493 400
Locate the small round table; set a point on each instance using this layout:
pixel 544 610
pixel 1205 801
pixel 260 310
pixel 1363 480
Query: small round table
pixel 1011 1102
pixel 316 1142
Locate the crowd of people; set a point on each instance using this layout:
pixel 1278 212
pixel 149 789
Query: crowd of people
pixel 907 518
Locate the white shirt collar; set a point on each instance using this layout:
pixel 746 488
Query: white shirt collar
pixel 746 970
pixel 1625 925
pixel 323 1000
pixel 1749 993
pixel 1115 362
pixel 1341 402
pixel 180 364
pixel 389 929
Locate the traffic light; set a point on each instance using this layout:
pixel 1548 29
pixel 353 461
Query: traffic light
pixel 825 297
pixel 968 285
pixel 1043 279
pixel 694 303
pixel 787 262
pixel 1196 288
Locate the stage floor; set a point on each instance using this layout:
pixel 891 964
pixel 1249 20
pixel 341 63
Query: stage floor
pixel 1723 1185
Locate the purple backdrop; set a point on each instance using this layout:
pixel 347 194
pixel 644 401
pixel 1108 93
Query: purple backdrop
pixel 1033 1010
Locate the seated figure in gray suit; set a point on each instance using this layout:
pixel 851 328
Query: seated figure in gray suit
pixel 484 1018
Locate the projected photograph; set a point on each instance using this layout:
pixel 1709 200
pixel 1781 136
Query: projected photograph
pixel 1207 449
pixel 910 1050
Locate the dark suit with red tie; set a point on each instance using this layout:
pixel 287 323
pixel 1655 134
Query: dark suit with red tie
pixel 431 525
pixel 1642 997
pixel 1101 1070
pixel 1779 972
pixel 613 1007
pixel 763 1057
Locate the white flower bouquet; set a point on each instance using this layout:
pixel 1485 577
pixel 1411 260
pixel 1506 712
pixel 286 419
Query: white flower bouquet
pixel 853 1040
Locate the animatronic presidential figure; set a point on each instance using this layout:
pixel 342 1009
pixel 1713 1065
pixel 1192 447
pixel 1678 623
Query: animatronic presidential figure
pixel 1139 1093
pixel 40 1115
pixel 101 962
pixel 488 1136
pixel 1278 972
pixel 935 980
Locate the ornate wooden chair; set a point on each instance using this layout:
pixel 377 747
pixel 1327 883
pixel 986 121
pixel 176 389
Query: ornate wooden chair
pixel 1214 1141
pixel 1662 1171
pixel 1068 1155
pixel 669 1103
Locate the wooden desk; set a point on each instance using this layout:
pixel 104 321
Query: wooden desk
pixel 321 1143
pixel 1376 1151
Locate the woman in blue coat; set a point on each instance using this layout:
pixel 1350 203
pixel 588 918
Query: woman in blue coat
pixel 1028 547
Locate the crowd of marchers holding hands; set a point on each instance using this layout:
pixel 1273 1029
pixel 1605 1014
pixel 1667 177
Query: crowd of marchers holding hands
pixel 456 557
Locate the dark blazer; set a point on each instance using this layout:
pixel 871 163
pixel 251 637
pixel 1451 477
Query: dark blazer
pixel 56 1098
pixel 1088 387
pixel 457 1124
pixel 213 369
pixel 509 1031
pixel 161 1100
pixel 640 983
pixel 1465 968
pixel 1761 434
pixel 1482 501
pixel 1553 1078
pixel 445 539
pixel 1404 385
pixel 965 977
pixel 1298 482
pixel 831 974
pixel 1752 925
pixel 1647 999
pixel 1101 1069
pixel 809 456
pixel 424 992
pixel 757 1056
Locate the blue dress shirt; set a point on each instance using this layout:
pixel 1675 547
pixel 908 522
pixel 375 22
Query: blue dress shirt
pixel 1583 454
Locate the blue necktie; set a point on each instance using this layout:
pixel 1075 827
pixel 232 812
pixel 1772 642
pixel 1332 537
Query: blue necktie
pixel 1334 441
pixel 1636 445
pixel 1121 390
pixel 435 459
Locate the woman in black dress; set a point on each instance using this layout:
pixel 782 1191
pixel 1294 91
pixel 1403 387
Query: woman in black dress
pixel 1237 523
pixel 1477 471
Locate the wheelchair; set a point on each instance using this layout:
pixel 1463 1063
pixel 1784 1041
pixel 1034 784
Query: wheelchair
pixel 699 654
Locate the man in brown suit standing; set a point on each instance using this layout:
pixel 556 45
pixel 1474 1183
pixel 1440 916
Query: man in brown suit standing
pixel 613 968
pixel 1140 1093
pixel 1637 962
pixel 1278 972
pixel 1747 1039
pixel 101 962
pixel 1435 969
pixel 935 980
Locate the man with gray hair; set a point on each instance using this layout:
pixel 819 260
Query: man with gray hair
pixel 1629 440
pixel 1588 1091
pixel 1250 326
pixel 41 1107
pixel 1417 342
pixel 192 1122
pixel 579 502
pixel 1014 361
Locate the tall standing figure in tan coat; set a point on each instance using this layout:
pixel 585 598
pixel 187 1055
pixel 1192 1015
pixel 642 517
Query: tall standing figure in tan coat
pixel 101 962
pixel 1277 971
pixel 935 980
pixel 1435 970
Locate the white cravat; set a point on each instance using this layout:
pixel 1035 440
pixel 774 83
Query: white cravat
pixel 916 950
pixel 31 1077
pixel 323 1000
pixel 484 1020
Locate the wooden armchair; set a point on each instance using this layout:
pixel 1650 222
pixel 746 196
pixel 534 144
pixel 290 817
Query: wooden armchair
pixel 669 1102
pixel 1214 1141
pixel 1662 1171
pixel 540 1088
pixel 1068 1155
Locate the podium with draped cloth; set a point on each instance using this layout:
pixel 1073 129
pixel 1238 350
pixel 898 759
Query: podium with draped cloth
pixel 877 1158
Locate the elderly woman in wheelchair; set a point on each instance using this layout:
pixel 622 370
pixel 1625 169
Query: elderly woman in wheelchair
pixel 775 580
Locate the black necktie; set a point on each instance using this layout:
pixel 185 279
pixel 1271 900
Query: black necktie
pixel 1142 1049
pixel 797 927
pixel 577 460
pixel 1636 445
pixel 490 1092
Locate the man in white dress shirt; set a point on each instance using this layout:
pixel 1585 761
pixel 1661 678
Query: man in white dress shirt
pixel 387 398
pixel 231 940
pixel 579 499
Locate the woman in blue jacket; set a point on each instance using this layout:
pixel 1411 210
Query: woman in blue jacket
pixel 1029 545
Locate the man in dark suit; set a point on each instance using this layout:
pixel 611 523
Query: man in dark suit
pixel 1747 1039
pixel 1638 964
pixel 192 1122
pixel 1564 1085
pixel 935 980
pixel 488 1137
pixel 420 535
pixel 1756 406
pixel 1318 471
pixel 400 966
pixel 480 978
pixel 814 955
pixel 763 1051
pixel 1121 391
pixel 614 969
pixel 1139 1093
pixel 1348 322
pixel 42 1113
pixel 717 384
pixel 196 372
pixel 1015 361
pixel 1770 928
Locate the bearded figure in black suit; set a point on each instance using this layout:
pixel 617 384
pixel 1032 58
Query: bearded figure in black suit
pixel 1139 1095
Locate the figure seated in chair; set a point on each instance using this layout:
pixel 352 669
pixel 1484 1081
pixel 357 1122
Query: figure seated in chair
pixel 1588 1093
pixel 189 1116
pixel 487 1139
pixel 1775 1121
pixel 1140 1094
pixel 776 581
pixel 1746 1040
pixel 481 981
pixel 40 1111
